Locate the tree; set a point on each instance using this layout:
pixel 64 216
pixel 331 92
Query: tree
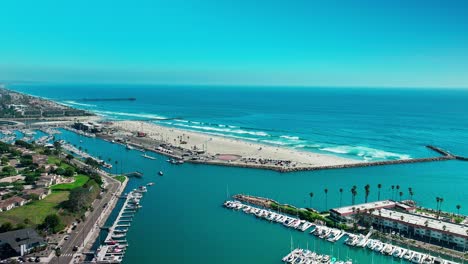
pixel 440 206
pixel 341 195
pixel 458 209
pixel 353 194
pixel 69 157
pixel 69 171
pixel 57 145
pixel 311 196
pixel 326 198
pixel 5 227
pixel 5 161
pixel 401 195
pixel 367 191
pixel 393 188
pixel 379 186
pixel 51 222
pixel 411 193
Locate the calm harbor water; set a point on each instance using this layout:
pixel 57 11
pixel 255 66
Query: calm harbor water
pixel 182 220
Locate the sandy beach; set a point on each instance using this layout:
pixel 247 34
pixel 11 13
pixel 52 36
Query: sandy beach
pixel 219 149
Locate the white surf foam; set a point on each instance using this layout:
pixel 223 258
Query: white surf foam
pixel 294 138
pixel 140 115
pixel 366 153
pixel 80 104
pixel 225 130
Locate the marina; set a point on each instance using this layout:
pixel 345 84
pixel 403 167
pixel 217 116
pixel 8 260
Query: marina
pixel 333 235
pixel 305 256
pixel 115 244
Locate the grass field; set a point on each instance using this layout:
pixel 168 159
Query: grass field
pixel 57 161
pixel 35 211
pixel 80 180
pixel 120 178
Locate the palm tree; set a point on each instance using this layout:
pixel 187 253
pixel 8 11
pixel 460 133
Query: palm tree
pixel 116 162
pixel 379 186
pixel 353 193
pixel 367 190
pixel 437 203
pixel 397 188
pixel 458 208
pixel 341 195
pixel 311 196
pixel 393 188
pixel 440 206
pixel 411 193
pixel 401 195
pixel 326 198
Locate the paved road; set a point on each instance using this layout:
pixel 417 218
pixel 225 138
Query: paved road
pixel 78 235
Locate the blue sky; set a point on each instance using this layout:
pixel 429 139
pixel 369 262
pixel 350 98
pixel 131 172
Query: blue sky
pixel 262 42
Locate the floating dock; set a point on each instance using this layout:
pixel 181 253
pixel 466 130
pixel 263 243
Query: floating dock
pixel 115 243
pixel 332 235
pixel 299 255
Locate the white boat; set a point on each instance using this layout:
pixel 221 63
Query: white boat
pixel 148 157
pixel 128 146
pixel 160 173
pixel 408 255
pixel 416 258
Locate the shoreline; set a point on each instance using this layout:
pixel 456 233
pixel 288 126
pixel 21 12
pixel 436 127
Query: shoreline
pixel 197 147
pixel 201 148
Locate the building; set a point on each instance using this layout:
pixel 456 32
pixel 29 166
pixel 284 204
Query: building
pixel 345 214
pixel 19 242
pixel 40 192
pixel 419 226
pixel 39 159
pixel 10 203
pixel 12 179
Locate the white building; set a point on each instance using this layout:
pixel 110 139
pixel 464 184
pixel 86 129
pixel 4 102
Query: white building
pixel 421 226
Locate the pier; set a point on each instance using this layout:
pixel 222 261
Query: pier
pixel 134 174
pixel 115 242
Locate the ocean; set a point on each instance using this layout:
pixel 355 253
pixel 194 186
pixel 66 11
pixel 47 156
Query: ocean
pixel 358 123
pixel 182 219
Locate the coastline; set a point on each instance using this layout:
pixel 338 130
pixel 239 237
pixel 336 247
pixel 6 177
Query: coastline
pixel 220 150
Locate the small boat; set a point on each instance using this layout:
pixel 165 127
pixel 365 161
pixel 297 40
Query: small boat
pixel 148 157
pixel 160 173
pixel 128 146
pixel 150 184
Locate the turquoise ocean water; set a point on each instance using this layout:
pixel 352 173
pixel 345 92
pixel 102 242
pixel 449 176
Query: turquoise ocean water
pixel 182 220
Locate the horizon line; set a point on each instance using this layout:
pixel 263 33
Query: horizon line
pixel 13 82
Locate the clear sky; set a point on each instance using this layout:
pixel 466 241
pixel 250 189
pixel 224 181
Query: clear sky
pixel 268 42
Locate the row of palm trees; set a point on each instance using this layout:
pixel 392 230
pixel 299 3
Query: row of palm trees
pixel 395 191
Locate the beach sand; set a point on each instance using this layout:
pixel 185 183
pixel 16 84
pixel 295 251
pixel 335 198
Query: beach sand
pixel 233 151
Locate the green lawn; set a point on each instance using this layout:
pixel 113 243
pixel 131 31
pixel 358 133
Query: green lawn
pixel 53 160
pixel 120 178
pixel 35 211
pixel 57 161
pixel 80 180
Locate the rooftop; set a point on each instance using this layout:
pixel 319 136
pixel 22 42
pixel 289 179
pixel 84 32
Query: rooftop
pixel 349 210
pixel 20 237
pixel 419 220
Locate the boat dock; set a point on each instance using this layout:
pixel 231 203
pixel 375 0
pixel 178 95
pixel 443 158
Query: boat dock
pixel 331 235
pixel 134 174
pixel 115 243
pixel 306 256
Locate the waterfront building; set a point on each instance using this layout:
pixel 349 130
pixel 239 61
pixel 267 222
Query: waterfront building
pixel 425 228
pixel 346 214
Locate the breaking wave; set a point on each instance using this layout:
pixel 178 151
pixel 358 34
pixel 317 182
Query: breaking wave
pixel 366 153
